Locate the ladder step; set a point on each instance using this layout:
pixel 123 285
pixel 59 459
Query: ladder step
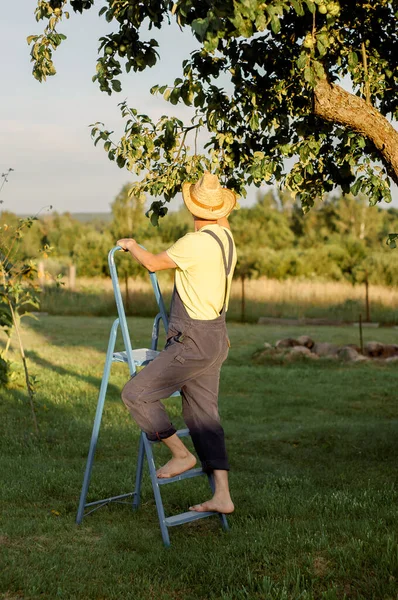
pixel 141 356
pixel 187 517
pixel 187 475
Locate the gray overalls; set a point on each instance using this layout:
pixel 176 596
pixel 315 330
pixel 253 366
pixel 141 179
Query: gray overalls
pixel 191 362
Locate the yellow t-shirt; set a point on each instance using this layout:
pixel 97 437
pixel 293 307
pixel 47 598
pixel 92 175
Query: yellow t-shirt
pixel 200 273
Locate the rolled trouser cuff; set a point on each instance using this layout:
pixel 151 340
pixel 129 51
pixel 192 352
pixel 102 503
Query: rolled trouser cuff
pixel 158 436
pixel 220 464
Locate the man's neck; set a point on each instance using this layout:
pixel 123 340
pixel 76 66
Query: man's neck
pixel 199 223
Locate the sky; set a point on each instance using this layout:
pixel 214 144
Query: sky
pixel 44 127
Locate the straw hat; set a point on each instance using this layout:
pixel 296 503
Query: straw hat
pixel 206 198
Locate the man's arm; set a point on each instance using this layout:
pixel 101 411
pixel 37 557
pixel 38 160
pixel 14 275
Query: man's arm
pixel 152 262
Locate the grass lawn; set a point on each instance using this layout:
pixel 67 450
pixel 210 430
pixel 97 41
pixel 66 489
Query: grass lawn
pixel 313 450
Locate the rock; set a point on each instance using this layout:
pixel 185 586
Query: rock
pixel 348 354
pixel 324 349
pixel 306 341
pixel 373 348
pixel 389 350
pixel 362 358
pixel 265 356
pixel 357 348
pixel 286 343
pixel 267 346
pixel 391 359
pixel 300 350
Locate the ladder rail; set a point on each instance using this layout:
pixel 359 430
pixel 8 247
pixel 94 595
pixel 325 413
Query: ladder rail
pixel 120 309
pixel 162 315
pixel 159 299
pixel 97 421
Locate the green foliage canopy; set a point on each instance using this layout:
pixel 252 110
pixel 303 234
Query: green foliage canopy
pixel 264 85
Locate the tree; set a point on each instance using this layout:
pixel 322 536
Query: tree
pixel 128 220
pixel 355 218
pixel 280 64
pixel 17 291
pixel 127 214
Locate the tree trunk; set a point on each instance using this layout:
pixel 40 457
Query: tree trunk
pixel 29 385
pixel 243 299
pixel 333 103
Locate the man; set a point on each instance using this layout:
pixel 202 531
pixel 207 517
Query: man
pixel 197 341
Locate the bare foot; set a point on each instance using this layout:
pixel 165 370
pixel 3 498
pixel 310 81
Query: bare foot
pixel 176 466
pixel 220 505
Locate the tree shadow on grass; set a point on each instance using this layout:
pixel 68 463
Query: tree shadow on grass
pixel 112 390
pixel 93 332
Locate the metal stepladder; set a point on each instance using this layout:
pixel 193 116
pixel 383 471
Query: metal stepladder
pixel 136 358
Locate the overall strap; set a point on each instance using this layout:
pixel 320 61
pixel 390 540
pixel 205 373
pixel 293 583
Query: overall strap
pixel 227 266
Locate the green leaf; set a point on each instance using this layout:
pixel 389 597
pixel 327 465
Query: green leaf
pixel 311 6
pixel 321 47
pixel 120 161
pixel 254 123
pixel 361 142
pixel 309 76
pixel 261 21
pixel 275 24
pixel 298 7
pixel 352 60
pixel 355 188
pixel 116 85
pixel 318 69
pixel 200 27
pixel 302 60
pixel 155 219
pixel 175 96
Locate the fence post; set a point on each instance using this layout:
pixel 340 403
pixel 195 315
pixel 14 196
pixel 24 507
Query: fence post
pixel 367 297
pixel 41 274
pixel 72 277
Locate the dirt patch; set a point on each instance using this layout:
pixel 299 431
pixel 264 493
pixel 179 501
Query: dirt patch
pixel 320 566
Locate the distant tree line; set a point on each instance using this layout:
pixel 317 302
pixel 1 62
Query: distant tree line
pixel 341 239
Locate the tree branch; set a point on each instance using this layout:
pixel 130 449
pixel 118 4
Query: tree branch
pixel 334 104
